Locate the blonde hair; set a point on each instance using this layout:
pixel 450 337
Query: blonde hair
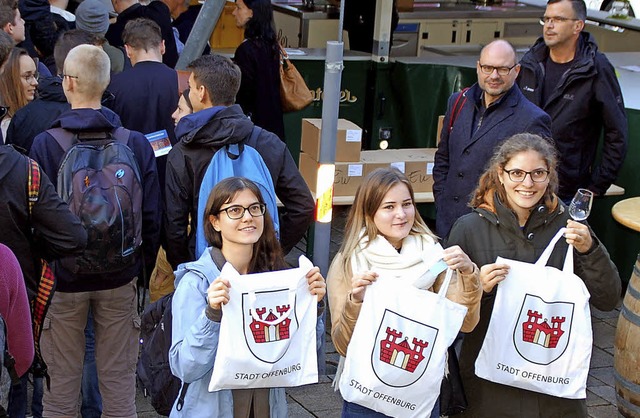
pixel 90 67
pixel 368 199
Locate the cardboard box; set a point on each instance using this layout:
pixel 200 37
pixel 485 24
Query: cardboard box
pixel 404 5
pixel 348 176
pixel 348 141
pixel 415 163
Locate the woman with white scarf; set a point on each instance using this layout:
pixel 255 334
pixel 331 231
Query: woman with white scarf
pixel 386 236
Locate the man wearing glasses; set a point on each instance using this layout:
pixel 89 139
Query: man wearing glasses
pixel 568 78
pixel 477 120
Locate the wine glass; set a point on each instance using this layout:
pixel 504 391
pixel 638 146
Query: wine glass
pixel 580 206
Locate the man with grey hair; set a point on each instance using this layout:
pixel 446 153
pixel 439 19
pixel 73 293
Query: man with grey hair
pixel 566 75
pixel 476 122
pixel 112 295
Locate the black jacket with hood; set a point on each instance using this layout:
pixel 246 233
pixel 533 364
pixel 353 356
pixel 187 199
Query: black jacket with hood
pixel 50 232
pixel 38 115
pixel 493 230
pixel 586 100
pixel 201 135
pixel 50 154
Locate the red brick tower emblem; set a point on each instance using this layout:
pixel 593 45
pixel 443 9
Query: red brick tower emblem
pixel 540 332
pixel 268 329
pixel 401 354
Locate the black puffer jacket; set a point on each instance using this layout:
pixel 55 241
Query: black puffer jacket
pixel 51 231
pixel 200 137
pixel 494 231
pixel 586 100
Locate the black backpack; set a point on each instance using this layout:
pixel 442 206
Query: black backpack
pixel 100 179
pixel 153 368
pixel 8 375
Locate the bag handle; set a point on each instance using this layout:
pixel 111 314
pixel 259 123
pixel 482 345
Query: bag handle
pixel 252 308
pixel 546 254
pixel 445 284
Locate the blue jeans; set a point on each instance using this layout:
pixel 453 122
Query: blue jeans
pixel 353 410
pixel 18 398
pixel 91 399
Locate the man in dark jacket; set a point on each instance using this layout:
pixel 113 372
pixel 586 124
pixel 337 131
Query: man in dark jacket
pixel 484 116
pixel 216 121
pixel 111 295
pixel 147 94
pixel 156 11
pixel 576 85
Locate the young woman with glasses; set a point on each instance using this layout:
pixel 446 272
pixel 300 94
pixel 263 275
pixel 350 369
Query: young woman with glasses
pixel 17 85
pixel 515 214
pixel 240 231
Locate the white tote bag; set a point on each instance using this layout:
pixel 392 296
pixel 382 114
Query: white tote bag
pixel 268 331
pixel 539 337
pixel 396 356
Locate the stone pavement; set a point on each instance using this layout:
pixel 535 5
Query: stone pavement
pixel 320 400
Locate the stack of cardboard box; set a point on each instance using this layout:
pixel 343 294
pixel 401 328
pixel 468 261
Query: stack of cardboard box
pixel 352 165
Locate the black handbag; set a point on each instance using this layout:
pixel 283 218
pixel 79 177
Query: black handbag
pixel 452 397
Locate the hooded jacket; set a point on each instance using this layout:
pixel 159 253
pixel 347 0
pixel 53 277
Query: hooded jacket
pixel 38 115
pixel 586 101
pixel 49 154
pixel 50 232
pixel 493 230
pixel 464 152
pixel 201 135
pixel 194 344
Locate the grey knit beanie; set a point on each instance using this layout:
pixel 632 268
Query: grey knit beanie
pixel 92 16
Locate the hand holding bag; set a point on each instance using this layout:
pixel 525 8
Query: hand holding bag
pixel 539 337
pixel 268 331
pixel 294 93
pixel 395 359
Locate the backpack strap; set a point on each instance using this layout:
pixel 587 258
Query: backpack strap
pixel 234 150
pixel 66 139
pixel 455 110
pixel 183 394
pixel 8 361
pixel 46 285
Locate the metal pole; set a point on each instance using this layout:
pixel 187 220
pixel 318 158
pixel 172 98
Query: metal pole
pixel 382 31
pixel 201 32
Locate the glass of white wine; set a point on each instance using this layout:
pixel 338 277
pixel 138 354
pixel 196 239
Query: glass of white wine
pixel 580 206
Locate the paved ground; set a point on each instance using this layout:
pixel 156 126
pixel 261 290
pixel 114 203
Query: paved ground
pixel 321 401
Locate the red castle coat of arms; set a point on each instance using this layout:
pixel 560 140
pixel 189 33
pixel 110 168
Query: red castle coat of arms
pixel 264 332
pixel 269 322
pixel 537 340
pixel 402 350
pixel 401 354
pixel 534 331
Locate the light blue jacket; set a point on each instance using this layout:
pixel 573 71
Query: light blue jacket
pixel 195 343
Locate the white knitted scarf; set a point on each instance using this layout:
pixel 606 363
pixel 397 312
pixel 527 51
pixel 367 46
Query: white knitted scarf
pixel 417 255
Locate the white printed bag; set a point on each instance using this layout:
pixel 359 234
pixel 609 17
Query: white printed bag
pixel 268 331
pixel 539 337
pixel 396 356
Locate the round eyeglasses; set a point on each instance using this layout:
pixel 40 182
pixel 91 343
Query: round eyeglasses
pixel 537 176
pixel 237 211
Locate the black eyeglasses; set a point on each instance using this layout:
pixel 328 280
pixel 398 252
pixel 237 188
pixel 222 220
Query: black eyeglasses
pixel 537 176
pixel 545 20
pixel 489 69
pixel 237 211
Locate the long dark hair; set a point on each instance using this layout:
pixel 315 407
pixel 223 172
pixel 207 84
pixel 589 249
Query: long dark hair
pixel 267 254
pixel 261 26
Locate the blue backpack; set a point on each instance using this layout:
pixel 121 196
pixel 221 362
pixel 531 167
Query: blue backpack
pixel 236 160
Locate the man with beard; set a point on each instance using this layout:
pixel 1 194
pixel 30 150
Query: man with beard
pixel 477 121
pixel 576 85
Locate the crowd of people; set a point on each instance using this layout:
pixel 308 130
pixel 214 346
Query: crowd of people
pixel 515 147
